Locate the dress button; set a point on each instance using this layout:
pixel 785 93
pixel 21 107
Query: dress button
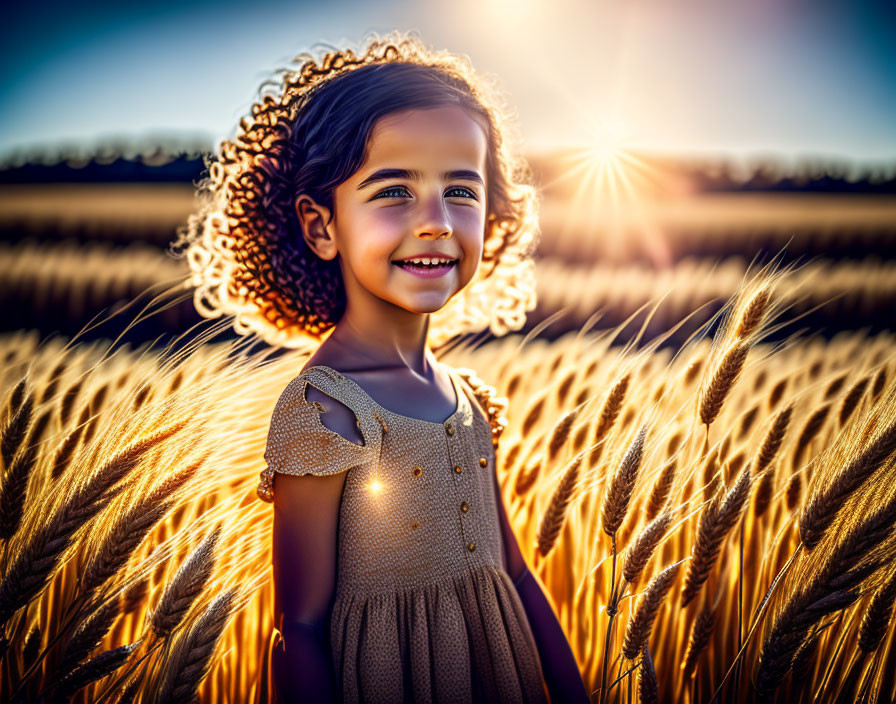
pixel 458 469
pixel 449 429
pixel 483 461
pixel 418 471
pixel 471 547
pixel 464 506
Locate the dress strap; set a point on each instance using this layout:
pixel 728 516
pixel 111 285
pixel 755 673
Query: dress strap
pixel 495 406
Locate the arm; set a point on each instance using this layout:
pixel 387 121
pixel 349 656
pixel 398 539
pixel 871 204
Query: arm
pixel 306 510
pixel 561 672
pixel 306 529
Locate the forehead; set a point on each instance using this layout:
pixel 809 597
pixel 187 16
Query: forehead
pixel 447 135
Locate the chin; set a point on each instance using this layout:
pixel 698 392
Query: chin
pixel 422 308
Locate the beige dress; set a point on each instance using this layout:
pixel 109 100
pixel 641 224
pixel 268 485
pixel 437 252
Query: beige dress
pixel 424 610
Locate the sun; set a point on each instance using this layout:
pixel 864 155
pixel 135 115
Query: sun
pixel 608 189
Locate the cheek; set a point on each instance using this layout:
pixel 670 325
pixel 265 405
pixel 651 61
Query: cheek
pixel 376 236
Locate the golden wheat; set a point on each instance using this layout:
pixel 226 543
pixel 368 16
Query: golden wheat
pixel 768 427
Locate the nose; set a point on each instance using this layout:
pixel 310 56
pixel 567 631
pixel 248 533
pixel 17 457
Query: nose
pixel 434 223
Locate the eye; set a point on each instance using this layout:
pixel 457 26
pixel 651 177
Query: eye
pixel 461 188
pixel 385 193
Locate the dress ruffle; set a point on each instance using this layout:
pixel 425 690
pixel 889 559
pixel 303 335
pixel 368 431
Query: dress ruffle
pixel 462 639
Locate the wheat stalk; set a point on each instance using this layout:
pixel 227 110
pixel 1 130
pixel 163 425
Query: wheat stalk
pixel 747 420
pixel 812 427
pixel 66 451
pixel 14 433
pixel 764 491
pixel 532 416
pixel 794 488
pixel 526 479
pixel 804 657
pixel 85 638
pixel 834 386
pixel 560 433
pixel 608 415
pixel 68 400
pixel 96 668
pixel 130 529
pixel 880 380
pixel 35 563
pixel 777 393
pixel 13 489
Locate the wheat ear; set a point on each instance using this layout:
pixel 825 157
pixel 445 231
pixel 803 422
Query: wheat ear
pixel 716 522
pixel 608 415
pixel 641 550
pixel 701 632
pixel 713 397
pixel 824 504
pixel 773 439
pixel 648 686
pixel 641 623
pixel 833 587
pixel 878 616
pixel 622 485
pixel 187 583
pixel 754 312
pixel 33 566
pixel 191 657
pixel 555 515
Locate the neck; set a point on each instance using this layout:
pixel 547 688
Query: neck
pixel 381 335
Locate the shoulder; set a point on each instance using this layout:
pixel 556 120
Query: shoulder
pixel 316 428
pixel 493 406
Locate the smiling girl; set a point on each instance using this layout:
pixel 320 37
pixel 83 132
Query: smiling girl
pixel 374 208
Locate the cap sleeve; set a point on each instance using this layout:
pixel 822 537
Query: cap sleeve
pixel 299 443
pixel 495 406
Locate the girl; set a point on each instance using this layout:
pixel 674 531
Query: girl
pixel 374 206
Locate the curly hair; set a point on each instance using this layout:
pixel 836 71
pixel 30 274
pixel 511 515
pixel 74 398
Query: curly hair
pixel 244 242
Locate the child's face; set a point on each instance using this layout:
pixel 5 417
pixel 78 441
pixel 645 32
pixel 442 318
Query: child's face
pixel 427 210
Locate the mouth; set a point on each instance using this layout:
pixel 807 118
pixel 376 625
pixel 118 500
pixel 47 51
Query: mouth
pixel 426 269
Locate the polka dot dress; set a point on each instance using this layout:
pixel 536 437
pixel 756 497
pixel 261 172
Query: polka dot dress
pixel 424 610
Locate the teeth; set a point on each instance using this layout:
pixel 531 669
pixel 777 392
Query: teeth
pixel 428 261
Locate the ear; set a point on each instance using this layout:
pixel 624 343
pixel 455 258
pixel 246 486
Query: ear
pixel 314 221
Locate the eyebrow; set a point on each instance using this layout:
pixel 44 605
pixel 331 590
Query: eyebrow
pixel 389 174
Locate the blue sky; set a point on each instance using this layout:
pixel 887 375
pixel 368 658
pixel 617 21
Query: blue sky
pixel 786 77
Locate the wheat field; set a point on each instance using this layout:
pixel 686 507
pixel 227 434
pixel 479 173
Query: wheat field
pixel 711 517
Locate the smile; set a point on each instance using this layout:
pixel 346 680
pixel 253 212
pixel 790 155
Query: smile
pixel 426 271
